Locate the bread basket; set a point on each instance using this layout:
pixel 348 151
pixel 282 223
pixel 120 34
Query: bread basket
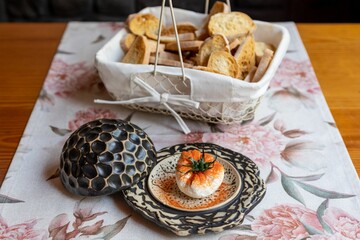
pixel 184 92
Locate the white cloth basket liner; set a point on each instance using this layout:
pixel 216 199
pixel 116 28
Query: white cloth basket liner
pixel 222 99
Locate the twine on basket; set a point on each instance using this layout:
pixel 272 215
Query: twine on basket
pixel 163 98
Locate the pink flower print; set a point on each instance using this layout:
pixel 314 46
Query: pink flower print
pixel 259 143
pixel 84 224
pixel 285 222
pixel 193 137
pixel 66 79
pixel 23 230
pixel 90 114
pixel 298 75
pixel 161 141
pixel 114 26
pixel 342 223
pixel 325 237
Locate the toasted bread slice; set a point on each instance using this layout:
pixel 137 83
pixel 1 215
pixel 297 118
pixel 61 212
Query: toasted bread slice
pixel 224 63
pixel 152 28
pixel 184 45
pixel 245 56
pixel 260 49
pixel 169 62
pixel 251 74
pixel 140 22
pixel 152 46
pixel 234 44
pixel 203 68
pixel 217 7
pixel 139 52
pixel 234 24
pixel 128 19
pixel 167 55
pixel 217 42
pixel 263 65
pixel 182 37
pixel 182 27
pixel 126 41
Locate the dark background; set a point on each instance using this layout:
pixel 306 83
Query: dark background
pixel 117 10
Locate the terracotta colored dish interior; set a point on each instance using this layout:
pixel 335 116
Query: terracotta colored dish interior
pixel 162 186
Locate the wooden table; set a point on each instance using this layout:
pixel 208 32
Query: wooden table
pixel 26 51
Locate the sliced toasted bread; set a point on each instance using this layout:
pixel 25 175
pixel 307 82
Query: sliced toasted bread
pixel 184 45
pixel 224 63
pixel 126 41
pixel 263 65
pixel 167 55
pixel 217 42
pixel 251 74
pixel 182 37
pixel 139 23
pixel 245 56
pixel 152 28
pixel 217 7
pixel 152 46
pixel 203 68
pixel 182 27
pixel 169 62
pixel 233 24
pixel 260 49
pixel 139 52
pixel 130 16
pixel 234 44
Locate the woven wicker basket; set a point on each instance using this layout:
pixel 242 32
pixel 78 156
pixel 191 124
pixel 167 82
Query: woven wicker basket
pixel 189 93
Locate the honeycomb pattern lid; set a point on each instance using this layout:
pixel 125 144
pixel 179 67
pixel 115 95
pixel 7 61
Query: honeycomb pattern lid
pixel 105 156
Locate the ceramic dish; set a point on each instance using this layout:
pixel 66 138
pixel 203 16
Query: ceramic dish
pixel 162 186
pixel 184 223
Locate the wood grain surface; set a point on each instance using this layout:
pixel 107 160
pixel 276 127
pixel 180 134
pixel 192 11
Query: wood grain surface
pixel 334 51
pixel 27 49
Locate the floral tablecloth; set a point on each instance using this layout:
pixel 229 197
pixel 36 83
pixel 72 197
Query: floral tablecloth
pixel 312 187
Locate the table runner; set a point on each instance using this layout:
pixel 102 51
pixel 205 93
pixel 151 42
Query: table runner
pixel 312 187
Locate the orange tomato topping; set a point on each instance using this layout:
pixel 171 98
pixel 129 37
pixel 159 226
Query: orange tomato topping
pixel 198 171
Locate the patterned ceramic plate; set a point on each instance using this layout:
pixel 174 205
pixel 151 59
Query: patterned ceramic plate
pixel 184 223
pixel 162 185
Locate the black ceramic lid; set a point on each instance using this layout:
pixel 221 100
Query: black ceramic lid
pixel 105 156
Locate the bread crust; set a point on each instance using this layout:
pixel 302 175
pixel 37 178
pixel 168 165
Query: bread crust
pixel 224 63
pixel 182 37
pixel 126 41
pixel 182 27
pixel 217 42
pixel 167 55
pixel 245 56
pixel 233 24
pixel 263 65
pixel 139 23
pixel 260 49
pixel 139 52
pixel 184 45
pixel 217 7
pixel 169 62
pixel 207 69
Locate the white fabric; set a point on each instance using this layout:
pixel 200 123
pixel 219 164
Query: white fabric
pixel 163 98
pixel 204 85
